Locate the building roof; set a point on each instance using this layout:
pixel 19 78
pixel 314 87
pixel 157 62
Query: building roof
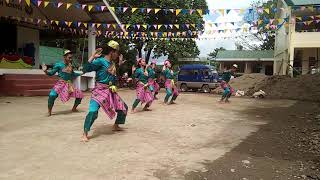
pixel 302 2
pixel 230 55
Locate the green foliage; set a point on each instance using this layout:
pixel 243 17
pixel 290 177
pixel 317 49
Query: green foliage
pixel 175 49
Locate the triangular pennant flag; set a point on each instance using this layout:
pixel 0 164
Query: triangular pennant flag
pixel 193 25
pixel 155 26
pixel 267 10
pixel 156 10
pixel 177 26
pixel 102 8
pixel 271 21
pixel 127 26
pixel 90 7
pixel 114 26
pixel 171 26
pixel 46 3
pixel 98 25
pixel 28 2
pixel 312 17
pixel 69 24
pixel 39 20
pixel 309 22
pixel 199 11
pixel 166 26
pixel 148 10
pixel 68 5
pixel 221 11
pixel 138 26
pixel 39 3
pixel 124 9
pixel 108 26
pixel 178 11
pixel 133 10
pixel 83 6
pixel 78 24
pixel 112 9
pixel 142 10
pixel 159 26
pixel 57 22
pixel 187 25
pixel 144 26
pixel 60 4
pixel 85 25
pixel 241 11
pixel 299 18
pixel 228 10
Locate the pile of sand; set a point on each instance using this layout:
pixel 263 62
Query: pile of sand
pixel 304 87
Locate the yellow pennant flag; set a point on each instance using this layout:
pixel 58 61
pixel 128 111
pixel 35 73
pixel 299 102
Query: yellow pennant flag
pixel 127 26
pixel 177 26
pixel 165 34
pixel 309 22
pixel 178 11
pixel 299 18
pixel 126 33
pixel 114 26
pixel 159 26
pixel 112 9
pixel 242 11
pixel 69 24
pixel 46 3
pixel 98 25
pixel 134 9
pixel 68 5
pixel 318 16
pixel 157 10
pixel 200 11
pixel 28 2
pixel 90 7
pixel 57 22
pixel 193 25
pixel 267 10
pixel 7 1
pixel 260 21
pixel 144 26
pixel 221 11
pixel 85 25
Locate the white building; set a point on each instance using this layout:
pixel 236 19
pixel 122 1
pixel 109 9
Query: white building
pixel 297 45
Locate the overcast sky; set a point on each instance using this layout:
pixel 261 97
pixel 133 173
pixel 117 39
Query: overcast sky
pixel 207 46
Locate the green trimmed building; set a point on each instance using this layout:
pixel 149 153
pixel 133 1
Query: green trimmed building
pixel 247 61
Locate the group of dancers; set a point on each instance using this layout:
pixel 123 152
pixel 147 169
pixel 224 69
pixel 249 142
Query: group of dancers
pixel 104 94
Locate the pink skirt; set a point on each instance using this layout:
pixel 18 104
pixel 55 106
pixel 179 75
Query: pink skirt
pixel 109 101
pixel 143 93
pixel 169 84
pixel 155 85
pixel 66 90
pixel 225 85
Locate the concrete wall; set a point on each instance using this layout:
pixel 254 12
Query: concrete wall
pixel 28 35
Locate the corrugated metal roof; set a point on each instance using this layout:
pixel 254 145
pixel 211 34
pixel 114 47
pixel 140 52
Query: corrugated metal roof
pixel 302 2
pixel 236 54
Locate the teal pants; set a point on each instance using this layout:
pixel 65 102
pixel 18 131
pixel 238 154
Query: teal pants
pixel 93 114
pixel 169 94
pixel 53 96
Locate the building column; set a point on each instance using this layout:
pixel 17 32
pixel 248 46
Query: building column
pixel 263 69
pixel 247 68
pixel 221 66
pixel 291 58
pixel 306 53
pixel 91 40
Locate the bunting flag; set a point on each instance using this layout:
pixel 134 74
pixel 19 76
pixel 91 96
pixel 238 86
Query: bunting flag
pixel 134 9
pixel 221 12
pixel 68 5
pixel 90 7
pixel 156 10
pixel 28 2
pixel 60 4
pixel 46 3
pixel 125 9
pixel 199 11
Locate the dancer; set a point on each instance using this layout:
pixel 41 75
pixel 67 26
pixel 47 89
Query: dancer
pixel 171 88
pixel 152 80
pixel 144 95
pixel 228 90
pixel 104 94
pixel 63 87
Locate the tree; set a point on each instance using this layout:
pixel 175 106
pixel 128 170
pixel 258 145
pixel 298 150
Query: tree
pixel 265 37
pixel 175 49
pixel 214 53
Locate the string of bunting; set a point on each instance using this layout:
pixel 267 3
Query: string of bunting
pixel 147 10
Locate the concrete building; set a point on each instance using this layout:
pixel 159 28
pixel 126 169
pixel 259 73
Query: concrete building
pixel 248 61
pixel 19 68
pixel 297 45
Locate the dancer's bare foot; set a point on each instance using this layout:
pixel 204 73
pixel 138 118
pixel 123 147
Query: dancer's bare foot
pixel 221 101
pixel 132 111
pixel 116 127
pixel 227 101
pixel 146 109
pixel 84 138
pixel 75 110
pixel 172 102
pixel 49 112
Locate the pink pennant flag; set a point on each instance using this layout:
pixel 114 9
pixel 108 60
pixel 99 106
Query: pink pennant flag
pixel 190 11
pixel 260 10
pixel 155 26
pixel 125 9
pixel 39 20
pixel 60 4
pixel 103 7
pixel 148 10
pixel 271 21
pixel 305 23
pixel 79 24
pixel 312 17
pixel 83 6
pixel 188 26
pixel 237 11
pixel 302 8
pixel 19 1
pixel 39 3
pixel 318 21
pixel 108 26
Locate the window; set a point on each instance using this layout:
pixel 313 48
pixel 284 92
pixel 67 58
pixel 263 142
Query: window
pixel 185 72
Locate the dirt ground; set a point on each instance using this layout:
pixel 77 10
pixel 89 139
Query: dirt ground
pixel 196 139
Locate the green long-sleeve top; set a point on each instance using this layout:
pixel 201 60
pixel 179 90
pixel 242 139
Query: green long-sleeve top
pixel 139 74
pixel 151 73
pixel 226 76
pixel 168 75
pixel 59 67
pixel 101 66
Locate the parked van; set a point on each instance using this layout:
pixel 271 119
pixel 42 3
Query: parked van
pixel 198 76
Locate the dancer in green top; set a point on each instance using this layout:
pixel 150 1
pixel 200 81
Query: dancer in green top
pixel 228 90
